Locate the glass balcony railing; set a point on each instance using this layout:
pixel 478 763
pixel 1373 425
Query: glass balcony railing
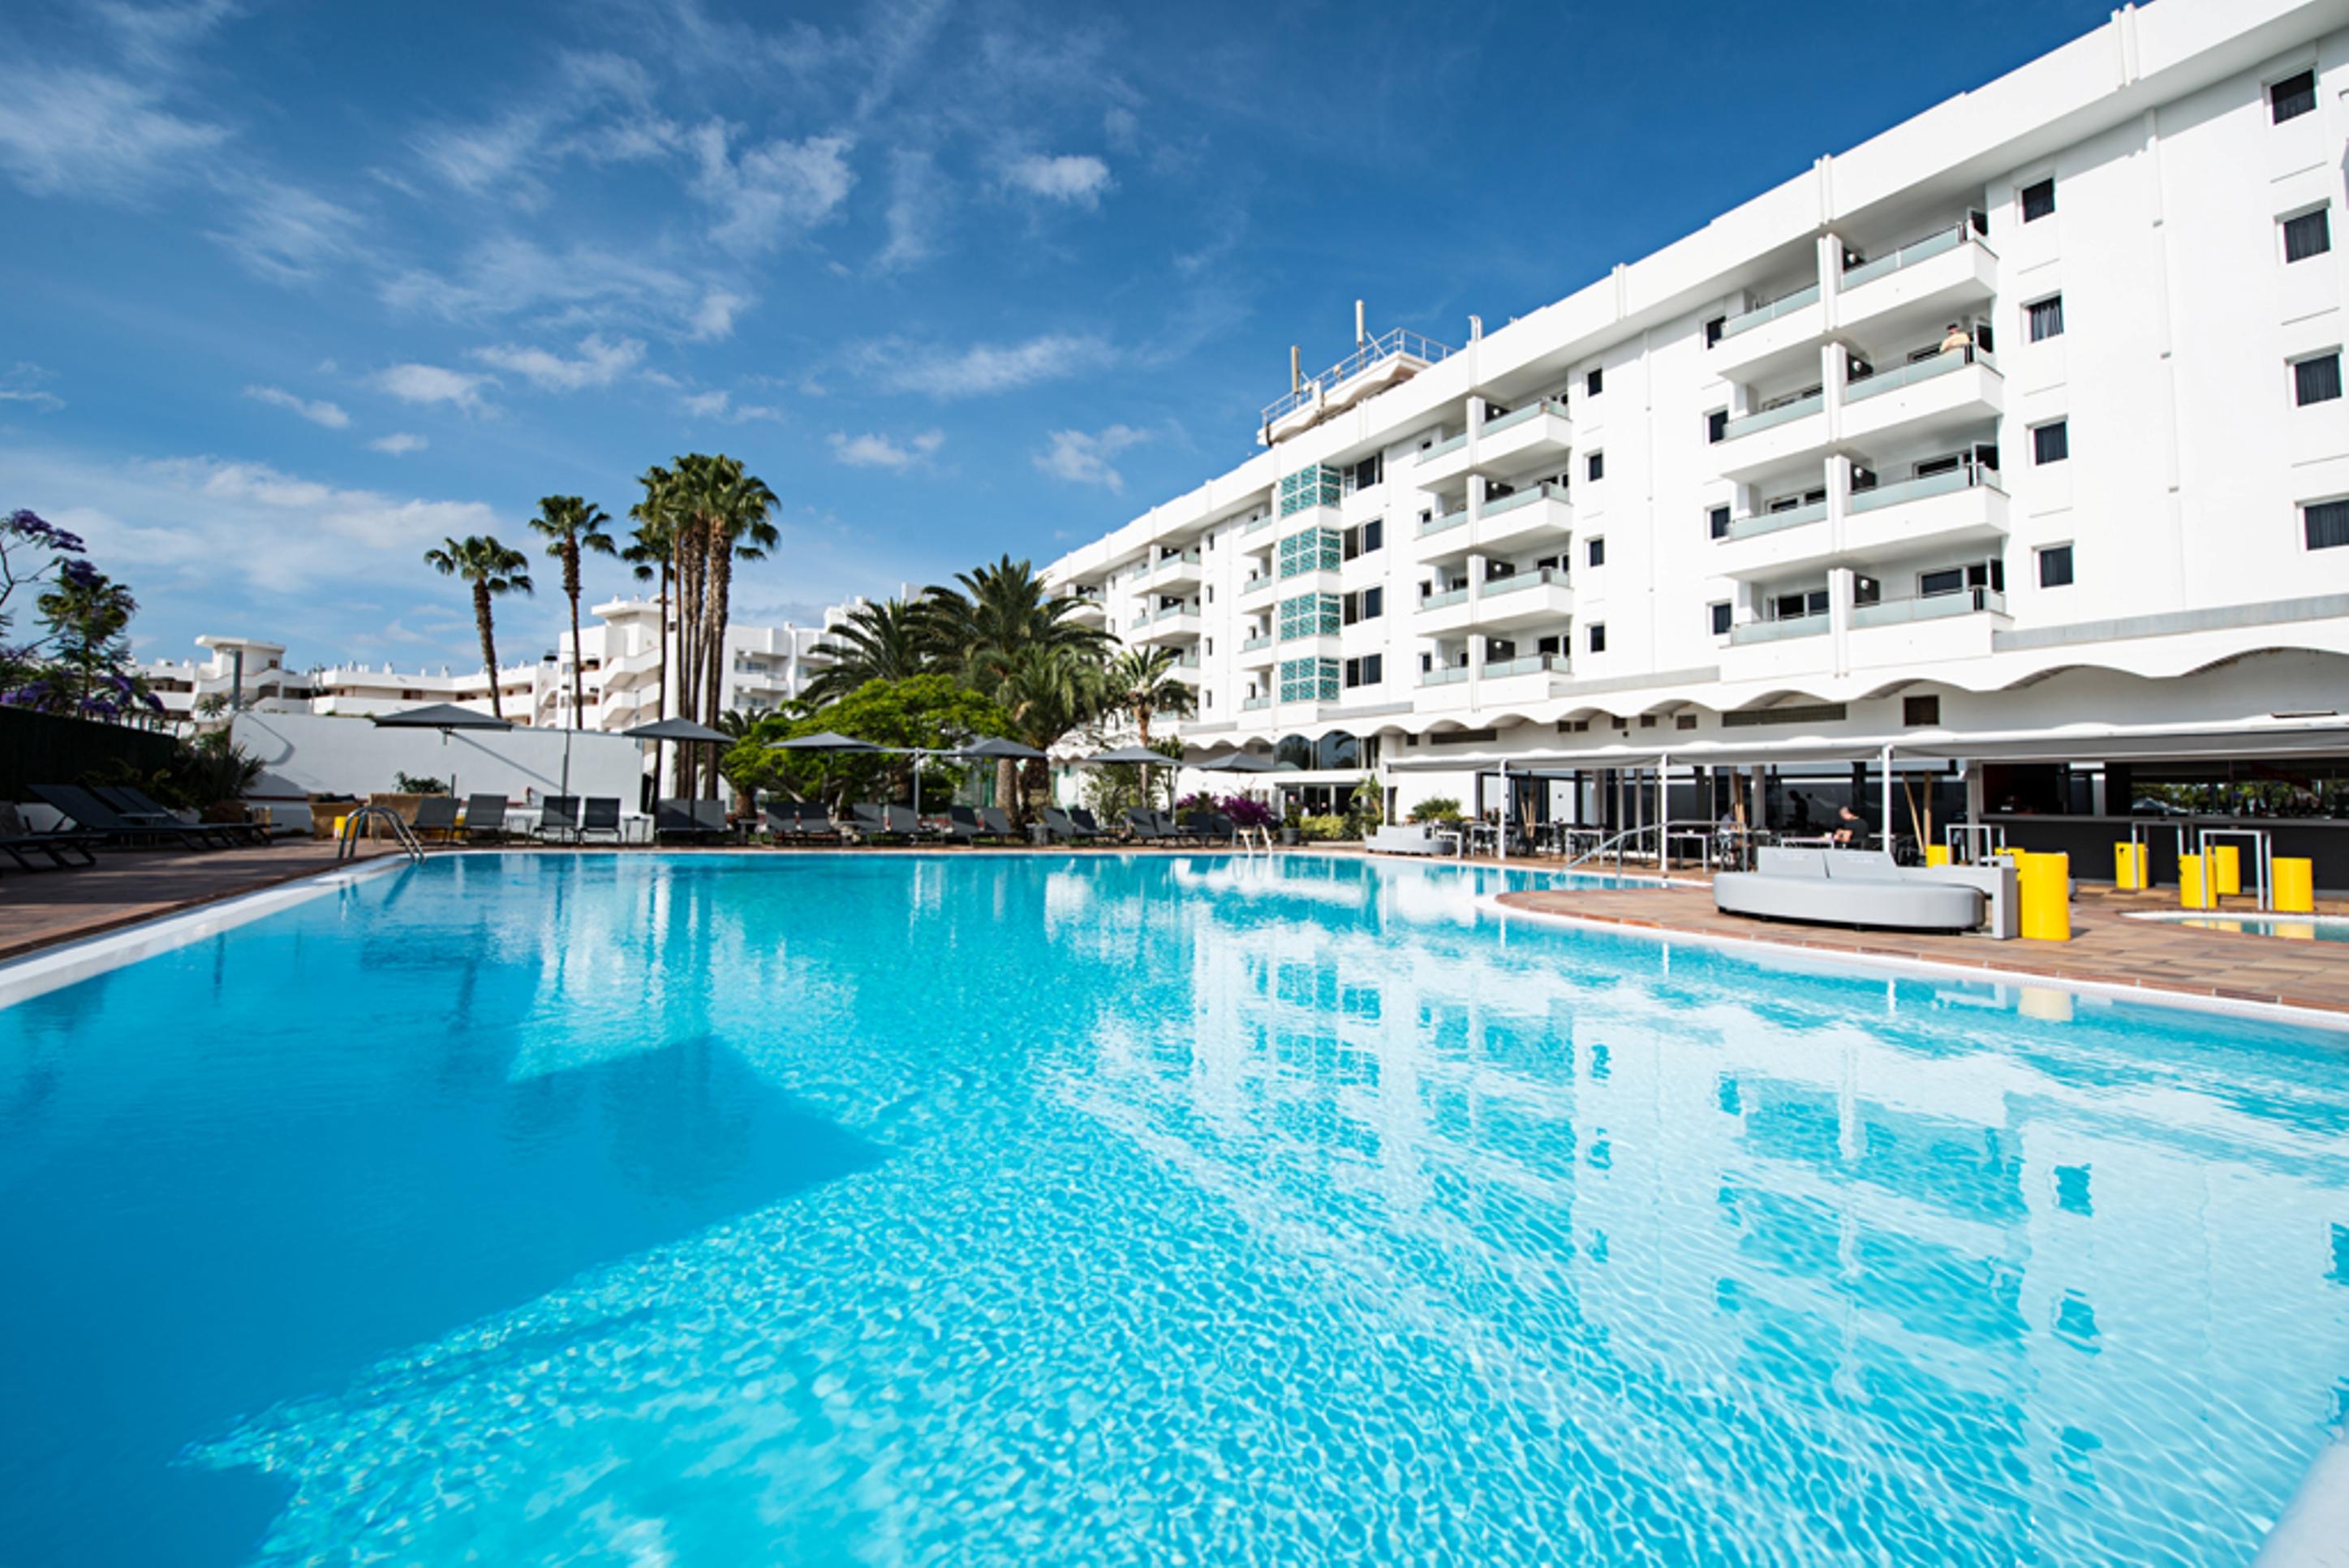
pixel 1445 599
pixel 1763 522
pixel 1531 664
pixel 1254 644
pixel 1255 704
pixel 1957 479
pixel 1524 498
pixel 1438 524
pixel 1257 584
pixel 1444 675
pixel 1762 315
pixel 1519 416
pixel 1778 629
pixel 1449 444
pixel 1539 577
pixel 1258 524
pixel 1939 242
pixel 1933 607
pixel 1793 408
pixel 1167 563
pixel 1883 381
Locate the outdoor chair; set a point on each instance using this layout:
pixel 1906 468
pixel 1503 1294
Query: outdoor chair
pixel 91 815
pixel 1169 829
pixel 147 812
pixel 436 814
pixel 1144 826
pixel 1086 824
pixel 485 816
pixel 709 816
pixel 678 820
pixel 866 822
pixel 963 826
pixel 997 823
pixel 904 824
pixel 1065 828
pixel 1202 827
pixel 602 816
pixel 558 818
pixel 799 821
pixel 140 804
pixel 62 851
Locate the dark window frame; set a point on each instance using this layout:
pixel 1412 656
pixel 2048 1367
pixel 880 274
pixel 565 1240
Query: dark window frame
pixel 2291 96
pixel 2307 235
pixel 2037 200
pixel 2050 443
pixel 2057 568
pixel 2043 318
pixel 2316 379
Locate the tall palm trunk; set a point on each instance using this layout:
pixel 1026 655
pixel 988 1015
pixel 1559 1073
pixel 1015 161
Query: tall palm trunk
pixel 571 591
pixel 721 590
pixel 489 645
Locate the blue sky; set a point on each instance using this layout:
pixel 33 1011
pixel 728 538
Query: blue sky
pixel 291 291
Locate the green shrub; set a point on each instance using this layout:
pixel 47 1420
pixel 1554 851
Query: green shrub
pixel 1320 829
pixel 1436 809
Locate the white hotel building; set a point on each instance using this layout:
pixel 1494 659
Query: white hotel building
pixel 1747 503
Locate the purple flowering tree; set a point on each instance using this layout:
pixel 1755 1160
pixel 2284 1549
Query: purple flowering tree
pixel 81 664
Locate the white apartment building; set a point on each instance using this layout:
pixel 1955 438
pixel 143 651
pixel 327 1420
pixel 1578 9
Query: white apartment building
pixel 764 667
pixel 1751 500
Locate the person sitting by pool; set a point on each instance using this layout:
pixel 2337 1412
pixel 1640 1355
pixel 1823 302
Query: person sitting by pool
pixel 1851 828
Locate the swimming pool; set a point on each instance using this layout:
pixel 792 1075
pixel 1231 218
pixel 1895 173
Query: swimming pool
pixel 726 1209
pixel 2290 928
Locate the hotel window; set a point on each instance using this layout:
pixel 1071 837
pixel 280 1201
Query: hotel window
pixel 2291 98
pixel 1595 465
pixel 1595 383
pixel 2309 234
pixel 1919 712
pixel 1368 604
pixel 1716 425
pixel 2046 318
pixel 1595 552
pixel 2055 566
pixel 1597 638
pixel 1308 680
pixel 1720 613
pixel 1368 670
pixel 1717 520
pixel 2325 524
pixel 2317 378
pixel 1370 471
pixel 2051 442
pixel 1714 328
pixel 2038 201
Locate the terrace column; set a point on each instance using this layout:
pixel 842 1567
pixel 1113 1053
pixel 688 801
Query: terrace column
pixel 1839 595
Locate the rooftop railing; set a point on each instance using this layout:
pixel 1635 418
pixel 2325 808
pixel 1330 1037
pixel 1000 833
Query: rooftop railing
pixel 1778 629
pixel 1398 344
pixel 1967 477
pixel 1943 364
pixel 1937 243
pixel 1763 315
pixel 1763 522
pixel 1781 413
pixel 1516 499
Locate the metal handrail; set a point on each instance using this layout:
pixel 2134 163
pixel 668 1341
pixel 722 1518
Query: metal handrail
pixel 1399 342
pixel 347 845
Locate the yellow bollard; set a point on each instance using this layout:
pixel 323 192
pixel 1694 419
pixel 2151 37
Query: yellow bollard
pixel 1937 854
pixel 2129 868
pixel 2226 869
pixel 2295 886
pixel 2191 880
pixel 2045 884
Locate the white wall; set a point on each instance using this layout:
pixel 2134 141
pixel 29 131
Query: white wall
pixel 310 753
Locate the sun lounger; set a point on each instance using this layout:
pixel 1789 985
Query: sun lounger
pixel 558 818
pixel 997 823
pixel 800 821
pixel 436 814
pixel 1087 823
pixel 138 805
pixel 485 817
pixel 62 851
pixel 679 819
pixel 1142 826
pixel 1065 828
pixel 710 817
pixel 866 822
pixel 1207 826
pixel 92 815
pixel 963 826
pixel 602 816
pixel 904 824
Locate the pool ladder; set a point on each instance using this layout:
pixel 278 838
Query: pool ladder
pixel 348 844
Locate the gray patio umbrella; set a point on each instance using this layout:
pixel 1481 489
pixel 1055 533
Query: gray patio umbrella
pixel 443 716
pixel 823 740
pixel 1141 757
pixel 678 729
pixel 994 749
pixel 1238 762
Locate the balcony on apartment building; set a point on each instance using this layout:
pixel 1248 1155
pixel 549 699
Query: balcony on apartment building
pixel 1255 704
pixel 1258 650
pixel 1444 608
pixel 1938 623
pixel 1788 321
pixel 1521 518
pixel 1941 274
pixel 1087 606
pixel 1455 685
pixel 1952 500
pixel 1780 429
pixel 1177 569
pixel 1174 625
pixel 1522 598
pixel 1541 431
pixel 1923 390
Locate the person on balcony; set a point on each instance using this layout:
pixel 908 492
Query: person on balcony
pixel 1957 340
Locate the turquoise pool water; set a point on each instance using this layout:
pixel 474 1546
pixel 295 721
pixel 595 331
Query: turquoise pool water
pixel 891 1208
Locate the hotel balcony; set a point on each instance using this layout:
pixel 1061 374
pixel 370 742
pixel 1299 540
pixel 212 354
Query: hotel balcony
pixel 1173 627
pixel 1522 599
pixel 1448 459
pixel 1086 609
pixel 1530 435
pixel 1778 433
pixel 1962 506
pixel 1255 704
pixel 1524 518
pixel 1176 572
pixel 1777 331
pixel 1942 393
pixel 1442 612
pixel 1259 652
pixel 1257 585
pixel 1912 632
pixel 1921 284
pixel 1767 541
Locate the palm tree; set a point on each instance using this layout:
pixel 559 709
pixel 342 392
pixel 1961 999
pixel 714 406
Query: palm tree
pixel 988 624
pixel 652 552
pixel 1046 692
pixel 493 570
pixel 571 525
pixel 885 642
pixel 721 512
pixel 1140 682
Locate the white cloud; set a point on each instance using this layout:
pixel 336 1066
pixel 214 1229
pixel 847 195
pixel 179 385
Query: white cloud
pixel 873 451
pixel 319 412
pixel 585 285
pixel 769 188
pixel 400 443
pixel 434 384
pixel 1084 459
pixel 1119 127
pixel 721 405
pixel 715 318
pixel 598 363
pixel 1079 180
pixel 21 383
pixel 917 195
pixel 198 526
pixel 155 36
pixel 70 132
pixel 983 367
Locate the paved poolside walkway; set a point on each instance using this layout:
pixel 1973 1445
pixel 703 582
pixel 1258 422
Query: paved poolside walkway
pixel 2106 947
pixel 40 909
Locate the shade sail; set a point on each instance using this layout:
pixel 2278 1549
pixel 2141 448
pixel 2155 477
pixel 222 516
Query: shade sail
pixel 440 716
pixel 1238 762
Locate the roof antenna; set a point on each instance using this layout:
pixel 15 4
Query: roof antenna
pixel 1361 337
pixel 1296 371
